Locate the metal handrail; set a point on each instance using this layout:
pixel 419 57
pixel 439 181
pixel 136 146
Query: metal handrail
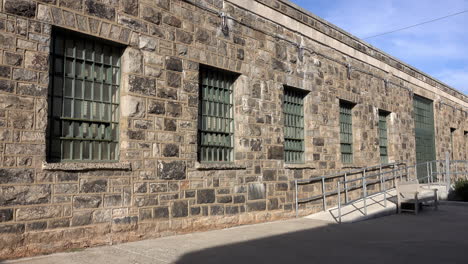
pixel 355 171
pixel 382 179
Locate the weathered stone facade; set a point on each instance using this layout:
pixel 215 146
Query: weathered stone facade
pixel 159 188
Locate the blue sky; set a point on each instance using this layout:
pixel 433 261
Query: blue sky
pixel 439 48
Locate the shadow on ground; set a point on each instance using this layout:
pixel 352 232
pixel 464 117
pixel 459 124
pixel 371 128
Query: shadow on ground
pixel 430 237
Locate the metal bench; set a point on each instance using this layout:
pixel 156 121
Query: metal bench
pixel 411 192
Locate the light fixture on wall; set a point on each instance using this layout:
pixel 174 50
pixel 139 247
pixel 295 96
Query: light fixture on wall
pixel 224 24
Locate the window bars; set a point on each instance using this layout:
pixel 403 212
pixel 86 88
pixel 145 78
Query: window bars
pixel 346 132
pixel 216 120
pixel 83 99
pixel 293 125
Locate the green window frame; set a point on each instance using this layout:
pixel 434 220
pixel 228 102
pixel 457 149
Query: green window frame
pixel 346 132
pixel 216 116
pixel 293 109
pixel 84 84
pixel 383 136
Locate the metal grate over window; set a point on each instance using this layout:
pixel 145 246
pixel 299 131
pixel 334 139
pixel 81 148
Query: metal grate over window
pixel 383 137
pixel 293 125
pixel 84 99
pixel 216 120
pixel 346 132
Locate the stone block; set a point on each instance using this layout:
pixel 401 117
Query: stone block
pixel 6 215
pixel 179 209
pixel 130 7
pixel 158 187
pixel 87 201
pixel 156 107
pixel 184 37
pixel 15 228
pixel 31 89
pixel 167 93
pixel 174 64
pixel 281 187
pixel 140 187
pixel 142 85
pixel 232 210
pixel 113 200
pixel 256 206
pixel 93 186
pixel 202 36
pixel 59 223
pixel 25 8
pixel 13 59
pixel 150 200
pixel 7 86
pixel 82 218
pixel 145 214
pixel 273 204
pixel 216 210
pixel 174 79
pixel 238 199
pixel 171 150
pixel 319 142
pixel 173 170
pixel 161 212
pixel 72 4
pixel 224 199
pixel 174 109
pixel 36 226
pixel 65 188
pixel 172 21
pixel 98 9
pixel 10 176
pixel 38 213
pixel 132 23
pixel 24 195
pixel 256 191
pixel 206 196
pixel 269 175
pixel 151 15
pixel 147 43
pixel 170 124
pixel 276 152
pixel 24 75
pixel 102 216
pixel 36 61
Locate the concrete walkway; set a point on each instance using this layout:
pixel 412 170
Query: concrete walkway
pixel 430 237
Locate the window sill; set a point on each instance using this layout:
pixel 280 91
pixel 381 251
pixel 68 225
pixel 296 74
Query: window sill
pixel 78 166
pixel 298 167
pixel 222 166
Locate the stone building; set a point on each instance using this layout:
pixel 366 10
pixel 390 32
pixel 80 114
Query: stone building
pixel 123 120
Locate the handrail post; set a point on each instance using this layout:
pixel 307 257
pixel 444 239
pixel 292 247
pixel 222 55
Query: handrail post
pixel 324 195
pixel 380 177
pixel 431 171
pixel 346 187
pixel 428 177
pixel 416 170
pixel 339 202
pixel 364 189
pixel 297 202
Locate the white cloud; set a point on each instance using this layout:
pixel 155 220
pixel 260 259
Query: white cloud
pixel 438 48
pixel 457 78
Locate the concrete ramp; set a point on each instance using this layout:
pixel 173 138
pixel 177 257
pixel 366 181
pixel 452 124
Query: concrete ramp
pixel 377 205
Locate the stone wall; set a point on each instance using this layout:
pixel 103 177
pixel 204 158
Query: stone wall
pixel 159 188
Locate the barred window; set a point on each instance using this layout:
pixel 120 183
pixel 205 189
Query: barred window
pixel 293 125
pixel 383 136
pixel 83 99
pixel 216 120
pixel 346 132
